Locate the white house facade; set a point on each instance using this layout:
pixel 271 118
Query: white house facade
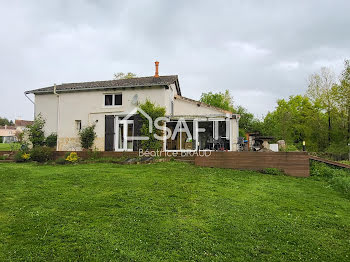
pixel 69 107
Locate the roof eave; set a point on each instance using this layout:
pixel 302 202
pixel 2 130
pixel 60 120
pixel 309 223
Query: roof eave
pixel 88 89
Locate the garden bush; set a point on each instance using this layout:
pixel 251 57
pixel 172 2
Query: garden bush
pixel 4 157
pixel 338 178
pixel 36 131
pixel 93 155
pixel 60 161
pixel 342 184
pixel 41 154
pixel 72 158
pixel 87 136
pixel 22 156
pixel 153 112
pixel 51 140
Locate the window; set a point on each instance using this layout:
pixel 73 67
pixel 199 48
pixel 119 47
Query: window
pixel 108 100
pixel 118 100
pixel 115 100
pixel 78 125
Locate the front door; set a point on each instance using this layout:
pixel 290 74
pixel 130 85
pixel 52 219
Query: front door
pixel 123 134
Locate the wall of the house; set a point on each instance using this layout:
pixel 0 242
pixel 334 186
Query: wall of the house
pixel 46 105
pixel 89 108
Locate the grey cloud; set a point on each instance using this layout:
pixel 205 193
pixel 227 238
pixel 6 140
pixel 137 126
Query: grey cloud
pixel 260 50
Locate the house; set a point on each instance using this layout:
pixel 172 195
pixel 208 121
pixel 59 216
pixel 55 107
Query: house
pixel 8 134
pixel 70 106
pixel 21 125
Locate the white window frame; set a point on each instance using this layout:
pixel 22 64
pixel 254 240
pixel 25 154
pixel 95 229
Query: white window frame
pixel 196 134
pixel 78 122
pixel 113 100
pixel 124 124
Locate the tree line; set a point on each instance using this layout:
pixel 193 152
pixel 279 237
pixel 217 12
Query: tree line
pixel 320 117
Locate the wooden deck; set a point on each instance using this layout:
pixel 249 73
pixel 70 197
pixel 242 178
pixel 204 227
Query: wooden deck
pixel 329 162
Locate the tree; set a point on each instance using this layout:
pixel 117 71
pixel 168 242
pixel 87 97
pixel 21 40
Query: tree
pixel 154 112
pixel 122 75
pixel 221 100
pixel 4 121
pixel 343 96
pixel 36 131
pixel 247 121
pixel 321 90
pixel 296 120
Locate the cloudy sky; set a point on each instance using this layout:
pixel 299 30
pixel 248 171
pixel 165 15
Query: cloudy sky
pixel 259 50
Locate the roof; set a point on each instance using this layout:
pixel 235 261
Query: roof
pixel 23 122
pixel 202 104
pixel 112 84
pixel 8 127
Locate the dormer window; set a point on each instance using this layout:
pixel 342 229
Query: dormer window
pixel 113 100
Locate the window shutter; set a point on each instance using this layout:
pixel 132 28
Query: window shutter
pixel 109 133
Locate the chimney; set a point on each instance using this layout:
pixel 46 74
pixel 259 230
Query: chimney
pixel 157 64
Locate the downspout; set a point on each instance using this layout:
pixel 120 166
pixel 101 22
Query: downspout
pixel 26 94
pixel 58 113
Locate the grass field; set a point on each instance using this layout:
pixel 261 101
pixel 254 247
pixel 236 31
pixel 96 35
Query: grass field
pixel 8 146
pixel 167 212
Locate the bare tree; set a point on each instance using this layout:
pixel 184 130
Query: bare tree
pixel 122 75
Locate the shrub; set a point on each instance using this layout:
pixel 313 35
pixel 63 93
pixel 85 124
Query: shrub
pixel 0 139
pixel 15 147
pixel 290 148
pixel 72 157
pixel 4 157
pixel 338 178
pixel 36 131
pixel 154 112
pixel 93 155
pixel 60 161
pixel 87 136
pixel 19 135
pixel 18 157
pixel 273 171
pixel 22 156
pixel 51 140
pixel 342 184
pixel 26 156
pixel 325 171
pixel 41 154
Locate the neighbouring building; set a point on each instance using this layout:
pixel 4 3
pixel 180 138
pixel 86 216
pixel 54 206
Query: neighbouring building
pixel 68 107
pixel 8 134
pixel 21 125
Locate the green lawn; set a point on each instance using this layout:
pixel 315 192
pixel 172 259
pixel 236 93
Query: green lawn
pixel 167 212
pixel 8 146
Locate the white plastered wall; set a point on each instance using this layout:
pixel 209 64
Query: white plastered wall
pixel 89 108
